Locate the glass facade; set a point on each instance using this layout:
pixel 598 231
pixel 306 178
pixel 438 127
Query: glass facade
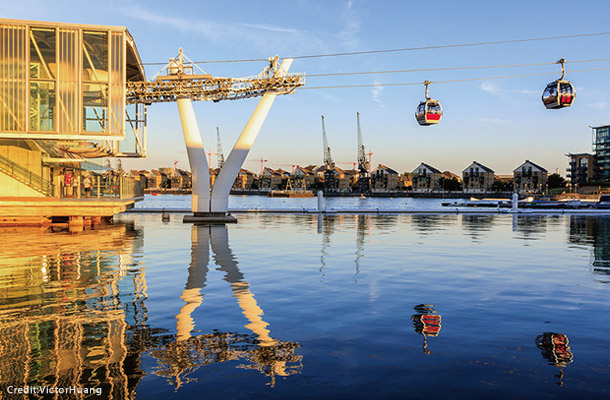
pixel 601 146
pixel 62 80
pixel 43 74
pixel 13 78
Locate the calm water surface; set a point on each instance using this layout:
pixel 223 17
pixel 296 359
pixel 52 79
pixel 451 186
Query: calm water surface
pixel 297 306
pixel 263 202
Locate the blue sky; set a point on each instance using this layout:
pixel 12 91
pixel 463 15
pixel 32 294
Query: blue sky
pixel 499 123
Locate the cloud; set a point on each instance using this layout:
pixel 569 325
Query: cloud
pixel 599 105
pixel 490 87
pixel 270 28
pixel 527 91
pixel 351 26
pixel 376 92
pixel 264 37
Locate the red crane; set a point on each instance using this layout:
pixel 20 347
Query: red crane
pixel 261 160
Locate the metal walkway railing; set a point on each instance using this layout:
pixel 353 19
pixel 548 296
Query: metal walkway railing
pixel 25 176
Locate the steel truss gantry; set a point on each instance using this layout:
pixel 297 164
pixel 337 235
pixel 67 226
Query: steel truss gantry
pixel 181 85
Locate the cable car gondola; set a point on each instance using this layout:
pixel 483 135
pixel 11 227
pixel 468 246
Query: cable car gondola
pixel 559 93
pixel 430 111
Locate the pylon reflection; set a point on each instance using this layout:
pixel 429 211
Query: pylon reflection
pixel 179 358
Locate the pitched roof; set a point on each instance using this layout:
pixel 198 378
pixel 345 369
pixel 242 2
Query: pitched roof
pixel 533 165
pixel 483 167
pixel 450 175
pixel 431 168
pixel 388 169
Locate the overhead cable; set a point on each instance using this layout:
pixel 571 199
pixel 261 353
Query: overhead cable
pixel 444 46
pixel 447 81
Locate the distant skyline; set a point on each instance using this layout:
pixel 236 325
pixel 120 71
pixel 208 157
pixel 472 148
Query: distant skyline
pixel 499 123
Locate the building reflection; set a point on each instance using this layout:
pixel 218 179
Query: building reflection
pixel 529 227
pixel 426 322
pixel 427 224
pixel 363 228
pixel 326 226
pixel 477 225
pixel 69 307
pixel 593 232
pixel 72 314
pixel 180 356
pixel 555 349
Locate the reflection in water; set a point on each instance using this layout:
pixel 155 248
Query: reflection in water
pixel 427 224
pixel 426 322
pixel 68 307
pixel 476 225
pixel 529 227
pixel 555 349
pixel 179 358
pixel 593 231
pixel 362 228
pixel 326 228
pixel 72 314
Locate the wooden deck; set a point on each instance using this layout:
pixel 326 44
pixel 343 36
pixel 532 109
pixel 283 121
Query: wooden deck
pixel 36 211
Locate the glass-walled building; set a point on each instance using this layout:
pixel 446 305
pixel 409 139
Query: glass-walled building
pixel 601 146
pixel 68 81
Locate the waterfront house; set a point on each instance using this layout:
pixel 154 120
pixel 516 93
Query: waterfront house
pixel 351 178
pixel 271 179
pixel 384 178
pixel 337 178
pixel 477 178
pixel 342 179
pixel 181 179
pixel 213 175
pixel 449 182
pixel 405 181
pixel 426 179
pixel 302 177
pixel 157 180
pixel 530 178
pixel 245 180
pixel 582 169
pixel 140 176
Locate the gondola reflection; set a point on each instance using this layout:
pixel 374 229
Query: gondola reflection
pixel 555 349
pixel 426 322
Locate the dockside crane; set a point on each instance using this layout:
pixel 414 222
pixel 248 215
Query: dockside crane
pixel 219 152
pixel 364 176
pixel 329 165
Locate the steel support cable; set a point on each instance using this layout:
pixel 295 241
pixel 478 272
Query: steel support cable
pixel 449 81
pixel 451 68
pixel 445 46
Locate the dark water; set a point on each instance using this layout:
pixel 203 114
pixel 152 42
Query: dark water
pixel 292 306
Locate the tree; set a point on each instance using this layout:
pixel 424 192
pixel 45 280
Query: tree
pixel 450 185
pixel 555 181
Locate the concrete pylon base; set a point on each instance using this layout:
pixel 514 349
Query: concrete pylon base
pixel 210 218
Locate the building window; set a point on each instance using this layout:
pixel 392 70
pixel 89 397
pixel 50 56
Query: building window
pixel 95 82
pixel 43 73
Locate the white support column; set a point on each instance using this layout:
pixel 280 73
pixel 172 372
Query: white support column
pixel 235 160
pixel 196 154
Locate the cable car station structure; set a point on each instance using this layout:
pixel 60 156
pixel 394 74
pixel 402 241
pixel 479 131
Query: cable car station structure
pixel 71 92
pixel 183 86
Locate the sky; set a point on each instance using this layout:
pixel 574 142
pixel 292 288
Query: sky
pixel 497 122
